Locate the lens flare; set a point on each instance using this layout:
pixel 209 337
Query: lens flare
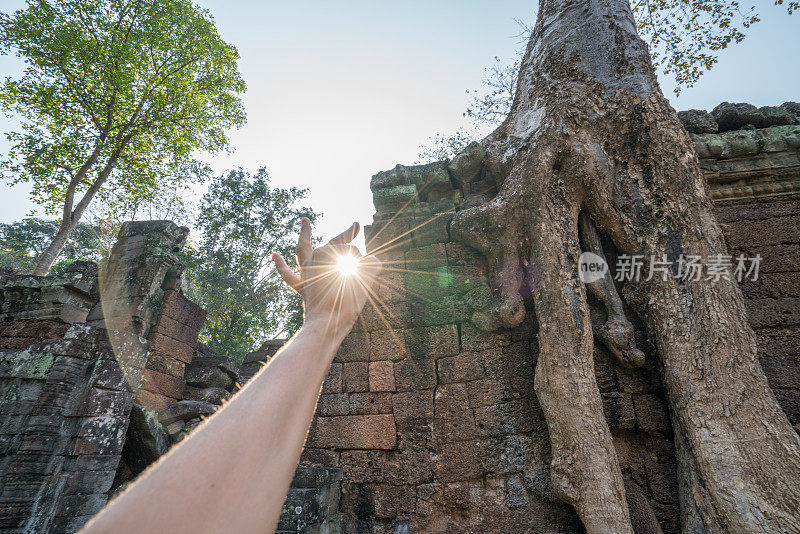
pixel 347 265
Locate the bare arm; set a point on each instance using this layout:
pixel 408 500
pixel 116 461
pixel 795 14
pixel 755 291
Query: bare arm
pixel 232 473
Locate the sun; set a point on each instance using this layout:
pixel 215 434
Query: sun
pixel 347 265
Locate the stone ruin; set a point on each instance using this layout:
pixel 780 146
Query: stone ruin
pixel 93 390
pixel 425 423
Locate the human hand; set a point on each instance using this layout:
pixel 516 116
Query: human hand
pixel 331 297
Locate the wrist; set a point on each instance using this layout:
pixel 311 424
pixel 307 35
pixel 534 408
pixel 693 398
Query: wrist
pixel 329 330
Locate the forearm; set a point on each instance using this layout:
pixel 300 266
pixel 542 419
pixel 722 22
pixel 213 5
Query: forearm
pixel 232 474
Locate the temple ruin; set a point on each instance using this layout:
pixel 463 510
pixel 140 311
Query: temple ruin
pixel 425 422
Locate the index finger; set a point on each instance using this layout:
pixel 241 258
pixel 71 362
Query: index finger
pixel 304 247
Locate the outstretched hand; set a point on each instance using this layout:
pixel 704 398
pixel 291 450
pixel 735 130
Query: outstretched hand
pixel 331 295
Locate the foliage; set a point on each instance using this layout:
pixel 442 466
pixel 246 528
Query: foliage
pixel 441 146
pixel 22 242
pixel 117 97
pixel 487 108
pixel 492 103
pixel 242 222
pixel 686 36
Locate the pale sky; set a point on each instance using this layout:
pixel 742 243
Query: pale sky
pixel 337 91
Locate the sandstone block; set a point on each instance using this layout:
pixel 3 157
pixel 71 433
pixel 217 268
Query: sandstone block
pixel 333 382
pixel 356 377
pixel 172 328
pixel 363 466
pixel 333 404
pixel 214 395
pixel 393 316
pixel 459 368
pixel 381 376
pixel 413 404
pixel 459 461
pixel 433 229
pixel 391 501
pixel 178 307
pixel 789 400
pixel 208 376
pixel 389 288
pixel 163 384
pixel 355 432
pixel 782 372
pixel 651 413
pixel 313 456
pixel 88 482
pixel 153 401
pixel 487 391
pixel 426 258
pixel 370 403
pixel 428 312
pixel 473 339
pixel 180 351
pixel 104 402
pixel 185 410
pixel 450 398
pixel 415 374
pixel 618 409
pixel 432 342
pixel 164 363
pixel 460 254
pixel 452 426
pixel 394 234
pixel 504 419
pixel 354 348
pixel 773 312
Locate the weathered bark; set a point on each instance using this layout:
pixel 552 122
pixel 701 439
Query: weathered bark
pixel 590 131
pixel 48 257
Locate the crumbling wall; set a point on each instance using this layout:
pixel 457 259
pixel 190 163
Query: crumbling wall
pixel 101 372
pixel 436 424
pixel 34 310
pixel 72 366
pixel 64 412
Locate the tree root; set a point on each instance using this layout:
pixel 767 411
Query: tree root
pixel 617 334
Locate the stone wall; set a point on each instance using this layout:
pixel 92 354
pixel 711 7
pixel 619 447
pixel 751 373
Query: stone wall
pixel 63 414
pixel 101 372
pixel 73 364
pixel 436 425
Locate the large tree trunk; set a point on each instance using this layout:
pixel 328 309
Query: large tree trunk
pixel 590 132
pixel 48 257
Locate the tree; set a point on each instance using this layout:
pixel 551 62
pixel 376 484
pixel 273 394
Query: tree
pixel 117 97
pixel 591 138
pixel 22 242
pixel 242 222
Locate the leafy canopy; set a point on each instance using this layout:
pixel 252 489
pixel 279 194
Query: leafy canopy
pixel 242 221
pixel 686 36
pixel 117 90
